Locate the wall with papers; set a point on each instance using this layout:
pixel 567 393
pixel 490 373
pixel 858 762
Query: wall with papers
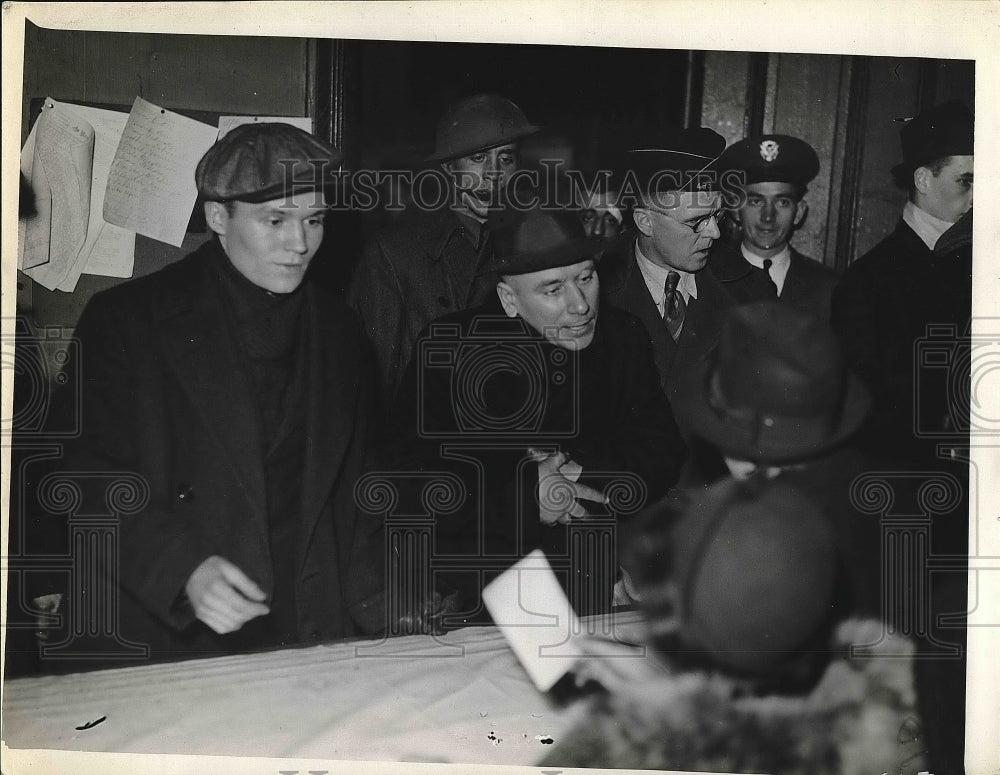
pixel 92 167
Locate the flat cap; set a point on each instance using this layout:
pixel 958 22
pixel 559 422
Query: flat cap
pixel 264 161
pixel 940 131
pixel 772 158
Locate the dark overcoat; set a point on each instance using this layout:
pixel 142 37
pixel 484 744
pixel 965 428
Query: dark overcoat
pixel 483 388
pixel 901 313
pixel 165 406
pixel 409 274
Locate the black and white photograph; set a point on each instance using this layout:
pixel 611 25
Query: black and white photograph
pixel 522 387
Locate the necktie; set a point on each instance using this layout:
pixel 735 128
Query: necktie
pixel 673 305
pixel 772 286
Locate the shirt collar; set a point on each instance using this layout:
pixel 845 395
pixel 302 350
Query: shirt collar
pixel 928 227
pixel 782 259
pixel 656 276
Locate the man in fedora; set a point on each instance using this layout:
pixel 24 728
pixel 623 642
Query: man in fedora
pixel 233 396
pixel 674 192
pixel 912 280
pixel 776 399
pixel 903 314
pixel 777 170
pixel 435 261
pixel 541 401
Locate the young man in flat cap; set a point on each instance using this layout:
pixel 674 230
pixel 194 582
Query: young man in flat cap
pixel 676 205
pixel 777 170
pixel 915 278
pixel 234 395
pixel 540 401
pixel 434 262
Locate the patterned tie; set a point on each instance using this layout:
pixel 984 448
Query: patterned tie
pixel 770 282
pixel 673 305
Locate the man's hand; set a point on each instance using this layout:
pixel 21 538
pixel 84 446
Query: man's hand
pixel 557 494
pixel 223 596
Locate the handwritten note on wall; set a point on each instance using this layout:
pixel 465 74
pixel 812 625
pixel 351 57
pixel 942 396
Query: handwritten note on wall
pixel 60 167
pixel 151 188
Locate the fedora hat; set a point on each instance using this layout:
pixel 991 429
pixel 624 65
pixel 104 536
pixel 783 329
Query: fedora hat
pixel 755 565
pixel 537 238
pixel 776 389
pixel 477 123
pixel 943 130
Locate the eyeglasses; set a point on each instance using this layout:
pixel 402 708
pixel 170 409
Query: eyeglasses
pixel 699 224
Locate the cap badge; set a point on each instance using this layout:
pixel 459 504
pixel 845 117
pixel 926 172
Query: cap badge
pixel 769 150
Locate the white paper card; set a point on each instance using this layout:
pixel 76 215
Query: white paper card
pixel 532 611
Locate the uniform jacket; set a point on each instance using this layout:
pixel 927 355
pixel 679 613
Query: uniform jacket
pixel 623 286
pixel 164 403
pixel 410 274
pixel 808 285
pixel 881 312
pixel 482 388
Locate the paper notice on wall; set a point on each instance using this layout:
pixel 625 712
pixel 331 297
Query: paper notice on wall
pixel 151 188
pixel 109 250
pixel 228 123
pixel 60 174
pixel 106 249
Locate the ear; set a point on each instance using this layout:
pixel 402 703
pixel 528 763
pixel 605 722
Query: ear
pixel 801 210
pixel 507 298
pixel 217 217
pixel 921 179
pixel 643 222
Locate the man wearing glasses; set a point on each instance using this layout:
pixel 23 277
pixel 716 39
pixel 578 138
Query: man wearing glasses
pixel 676 199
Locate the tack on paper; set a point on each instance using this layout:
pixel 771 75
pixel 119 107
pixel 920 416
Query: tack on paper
pixel 151 188
pixel 228 123
pixel 61 151
pixel 532 611
pixel 106 249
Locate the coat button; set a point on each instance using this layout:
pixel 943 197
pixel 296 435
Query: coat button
pixel 444 301
pixel 185 492
pixel 314 634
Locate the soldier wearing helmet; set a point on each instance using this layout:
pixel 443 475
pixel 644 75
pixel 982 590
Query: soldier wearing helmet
pixel 436 260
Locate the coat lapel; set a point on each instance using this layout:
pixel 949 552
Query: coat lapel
pixel 795 288
pixel 452 254
pixel 203 356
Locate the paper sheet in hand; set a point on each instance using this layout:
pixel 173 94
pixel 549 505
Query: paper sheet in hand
pixel 151 189
pixel 228 123
pixel 532 611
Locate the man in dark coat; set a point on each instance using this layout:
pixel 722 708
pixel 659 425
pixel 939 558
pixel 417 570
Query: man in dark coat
pixel 435 260
pixel 657 274
pixel 776 400
pixel 777 170
pixel 231 398
pixel 906 297
pixel 548 409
